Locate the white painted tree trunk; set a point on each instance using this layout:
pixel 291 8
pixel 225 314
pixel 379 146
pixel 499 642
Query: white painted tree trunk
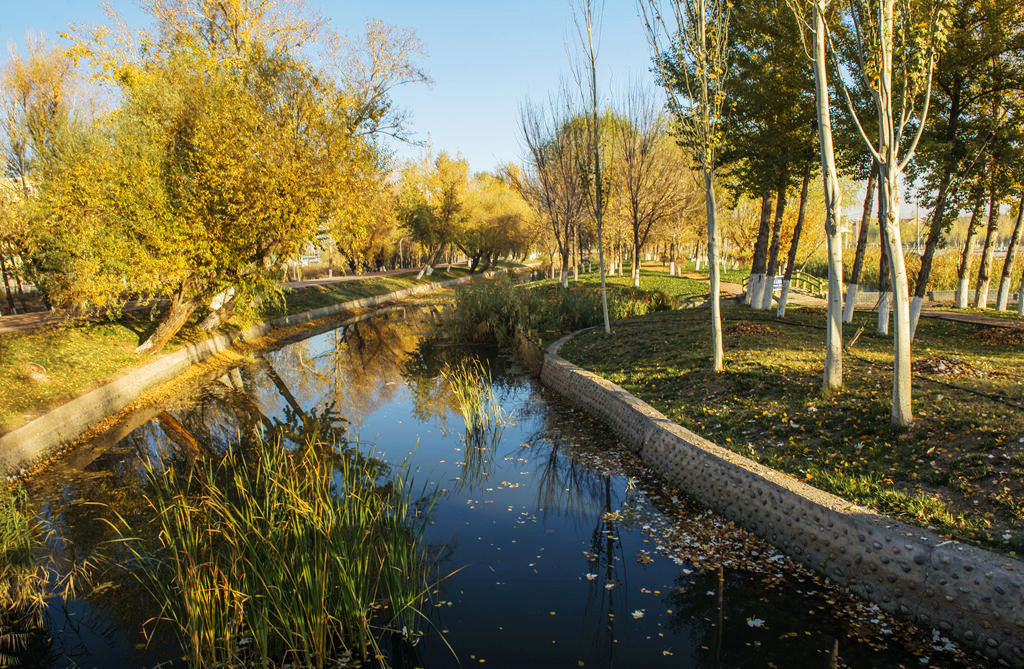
pixel 851 302
pixel 1020 297
pixel 1003 299
pixel 715 278
pixel 636 277
pixel 783 298
pixel 960 297
pixel 767 292
pixel 915 314
pixel 884 308
pixel 981 295
pixel 672 268
pixel 832 376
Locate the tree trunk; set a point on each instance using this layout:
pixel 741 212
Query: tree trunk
pixel 218 317
pixel 964 270
pixel 1020 297
pixel 714 272
pixel 1011 254
pixel 757 265
pixel 794 244
pixel 7 285
pixel 884 290
pixel 177 315
pixel 576 252
pixel 428 268
pixel 565 267
pixel 636 254
pixel 981 289
pixel 862 246
pixel 902 413
pixel 768 289
pixel 936 228
pixel 832 377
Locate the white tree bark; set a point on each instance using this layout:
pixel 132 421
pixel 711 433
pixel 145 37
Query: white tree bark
pixel 832 377
pixel 850 303
pixel 960 297
pixel 915 314
pixel 781 311
pixel 715 277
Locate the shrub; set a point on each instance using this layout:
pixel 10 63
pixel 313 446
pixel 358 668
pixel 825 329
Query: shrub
pixel 491 312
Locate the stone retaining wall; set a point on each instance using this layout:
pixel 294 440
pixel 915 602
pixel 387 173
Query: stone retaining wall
pixel 46 434
pixel 967 593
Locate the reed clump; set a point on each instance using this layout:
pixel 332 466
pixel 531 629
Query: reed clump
pixel 471 384
pixel 23 583
pixel 273 557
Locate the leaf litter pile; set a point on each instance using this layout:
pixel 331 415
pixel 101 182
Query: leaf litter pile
pixel 943 366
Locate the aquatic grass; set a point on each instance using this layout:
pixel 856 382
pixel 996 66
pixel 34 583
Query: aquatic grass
pixel 471 384
pixel 275 557
pixel 23 583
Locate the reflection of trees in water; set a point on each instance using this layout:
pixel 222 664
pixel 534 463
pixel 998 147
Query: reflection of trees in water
pixel 357 367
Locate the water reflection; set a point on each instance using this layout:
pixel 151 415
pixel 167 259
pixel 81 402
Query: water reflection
pixel 561 551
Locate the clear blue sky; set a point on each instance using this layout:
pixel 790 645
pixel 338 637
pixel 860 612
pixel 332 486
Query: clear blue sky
pixel 485 56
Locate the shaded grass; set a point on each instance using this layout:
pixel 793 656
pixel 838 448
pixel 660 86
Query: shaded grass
pixel 43 368
pixel 958 468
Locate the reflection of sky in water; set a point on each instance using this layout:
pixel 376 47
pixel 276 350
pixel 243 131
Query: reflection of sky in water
pixel 542 580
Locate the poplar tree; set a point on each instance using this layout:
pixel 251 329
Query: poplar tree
pixel 689 40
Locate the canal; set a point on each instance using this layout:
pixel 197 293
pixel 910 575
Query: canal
pixel 553 547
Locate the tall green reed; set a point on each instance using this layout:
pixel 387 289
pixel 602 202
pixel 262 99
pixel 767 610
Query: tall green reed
pixel 472 386
pixel 270 557
pixel 23 584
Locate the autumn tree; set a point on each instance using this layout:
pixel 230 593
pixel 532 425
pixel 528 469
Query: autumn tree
pixel 896 40
pixel 648 178
pixel 557 146
pixel 38 108
pixel 243 151
pixel 976 64
pixel 432 194
pixel 689 41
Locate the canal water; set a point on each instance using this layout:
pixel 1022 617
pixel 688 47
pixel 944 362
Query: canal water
pixel 558 549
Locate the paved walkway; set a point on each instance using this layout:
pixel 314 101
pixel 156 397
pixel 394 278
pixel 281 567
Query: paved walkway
pixel 803 299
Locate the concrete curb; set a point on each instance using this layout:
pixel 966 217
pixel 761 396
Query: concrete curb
pixel 48 433
pixel 970 594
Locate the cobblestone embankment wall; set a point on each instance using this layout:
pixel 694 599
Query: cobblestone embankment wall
pixel 970 594
pixel 48 433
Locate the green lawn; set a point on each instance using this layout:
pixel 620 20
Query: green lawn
pixel 41 369
pixel 960 468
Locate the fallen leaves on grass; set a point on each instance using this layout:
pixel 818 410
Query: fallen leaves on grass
pixel 944 366
pixel 748 329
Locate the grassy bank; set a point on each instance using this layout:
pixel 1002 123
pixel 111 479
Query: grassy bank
pixel 45 367
pixel 959 469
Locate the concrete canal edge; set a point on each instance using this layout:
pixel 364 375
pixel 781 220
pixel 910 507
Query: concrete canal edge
pixel 967 593
pixel 47 434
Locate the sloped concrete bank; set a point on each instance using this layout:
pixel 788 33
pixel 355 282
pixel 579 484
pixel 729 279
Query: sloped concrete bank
pixel 45 435
pixel 973 595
